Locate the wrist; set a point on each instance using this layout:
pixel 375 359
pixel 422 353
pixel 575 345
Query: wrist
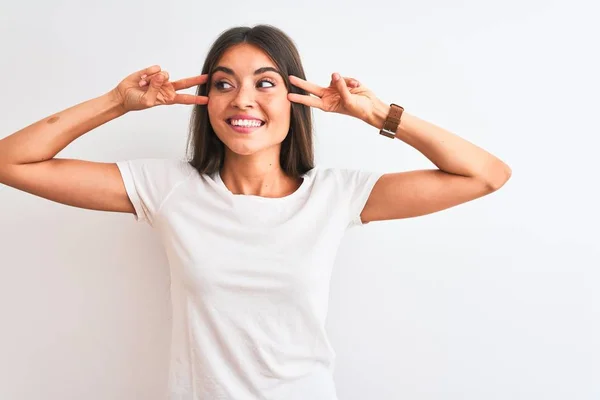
pixel 115 101
pixel 379 114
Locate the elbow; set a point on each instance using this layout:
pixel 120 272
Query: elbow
pixel 500 174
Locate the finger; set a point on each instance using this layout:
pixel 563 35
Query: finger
pixel 189 82
pixel 306 100
pixel 146 71
pixel 190 99
pixel 182 83
pixel 308 86
pixel 351 82
pixel 341 86
pixel 155 84
pixel 147 77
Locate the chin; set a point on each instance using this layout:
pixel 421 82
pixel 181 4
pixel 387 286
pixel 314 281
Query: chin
pixel 242 151
pixel 238 146
pixel 246 145
pixel 248 148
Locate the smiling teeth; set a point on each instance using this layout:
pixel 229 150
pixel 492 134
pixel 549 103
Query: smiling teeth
pixel 245 122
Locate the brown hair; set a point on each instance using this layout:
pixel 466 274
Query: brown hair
pixel 297 154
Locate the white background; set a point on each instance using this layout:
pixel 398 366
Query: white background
pixel 494 299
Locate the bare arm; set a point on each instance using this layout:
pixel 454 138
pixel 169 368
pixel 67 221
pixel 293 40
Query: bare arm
pixel 42 140
pixel 465 171
pixel 78 183
pixel 27 157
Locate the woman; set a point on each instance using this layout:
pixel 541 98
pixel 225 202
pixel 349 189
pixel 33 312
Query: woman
pixel 249 224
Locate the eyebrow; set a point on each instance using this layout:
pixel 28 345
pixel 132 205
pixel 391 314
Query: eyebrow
pixel 257 72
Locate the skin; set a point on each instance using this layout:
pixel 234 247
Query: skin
pixel 464 171
pixel 251 163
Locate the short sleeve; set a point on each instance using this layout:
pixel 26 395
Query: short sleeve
pixel 356 188
pixel 150 181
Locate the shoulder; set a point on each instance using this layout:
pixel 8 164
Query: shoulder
pixel 155 176
pixel 348 188
pixel 343 177
pixel 150 181
pixel 154 169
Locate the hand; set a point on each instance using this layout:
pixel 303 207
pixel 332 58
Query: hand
pixel 151 87
pixel 344 96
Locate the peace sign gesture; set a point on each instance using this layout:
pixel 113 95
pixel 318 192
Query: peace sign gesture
pixel 343 96
pixel 151 87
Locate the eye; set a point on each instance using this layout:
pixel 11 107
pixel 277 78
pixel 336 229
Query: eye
pixel 270 82
pixel 221 85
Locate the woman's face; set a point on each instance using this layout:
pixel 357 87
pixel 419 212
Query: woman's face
pixel 248 106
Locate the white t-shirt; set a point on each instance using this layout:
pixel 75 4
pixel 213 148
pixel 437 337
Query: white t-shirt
pixel 250 277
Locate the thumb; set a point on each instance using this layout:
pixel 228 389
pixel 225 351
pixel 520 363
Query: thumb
pixel 341 86
pixel 154 87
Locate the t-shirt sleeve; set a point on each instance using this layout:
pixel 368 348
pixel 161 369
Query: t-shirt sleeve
pixel 356 188
pixel 149 182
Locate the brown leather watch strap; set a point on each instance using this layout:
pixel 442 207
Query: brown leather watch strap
pixel 392 121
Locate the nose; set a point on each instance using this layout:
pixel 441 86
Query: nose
pixel 243 98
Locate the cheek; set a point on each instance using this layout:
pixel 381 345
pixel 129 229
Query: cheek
pixel 278 106
pixel 214 108
pixel 213 104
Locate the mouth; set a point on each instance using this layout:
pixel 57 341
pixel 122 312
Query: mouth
pixel 247 126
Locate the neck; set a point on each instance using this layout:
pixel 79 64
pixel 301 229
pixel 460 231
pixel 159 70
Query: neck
pixel 257 176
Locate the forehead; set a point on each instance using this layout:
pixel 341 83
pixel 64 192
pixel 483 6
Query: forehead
pixel 244 58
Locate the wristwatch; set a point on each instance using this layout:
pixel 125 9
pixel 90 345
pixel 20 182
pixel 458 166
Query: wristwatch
pixel 392 121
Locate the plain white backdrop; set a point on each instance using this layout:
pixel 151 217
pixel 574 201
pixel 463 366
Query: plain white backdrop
pixel 494 299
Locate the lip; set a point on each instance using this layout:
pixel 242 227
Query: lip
pixel 244 116
pixel 244 129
